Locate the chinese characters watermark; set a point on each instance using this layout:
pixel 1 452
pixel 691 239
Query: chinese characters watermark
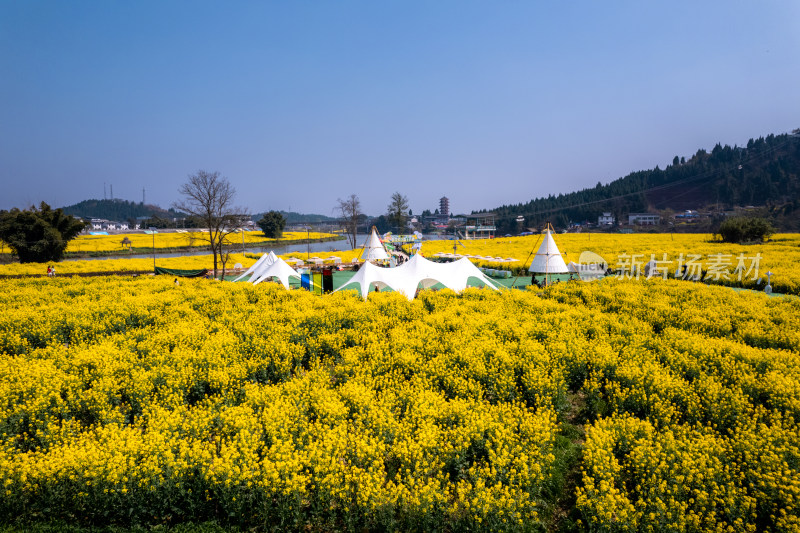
pixel 716 267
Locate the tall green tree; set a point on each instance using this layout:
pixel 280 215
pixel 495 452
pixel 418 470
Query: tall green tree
pixel 272 224
pixel 396 212
pixel 38 235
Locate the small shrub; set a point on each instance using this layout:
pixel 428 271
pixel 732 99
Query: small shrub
pixel 745 229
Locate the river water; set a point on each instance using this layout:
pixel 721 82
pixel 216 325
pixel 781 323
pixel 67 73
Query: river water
pixel 310 248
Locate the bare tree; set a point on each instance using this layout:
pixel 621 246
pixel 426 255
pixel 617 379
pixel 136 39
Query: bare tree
pixel 209 197
pixel 350 209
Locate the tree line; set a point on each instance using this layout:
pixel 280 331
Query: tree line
pixel 119 210
pixel 352 217
pixel 765 172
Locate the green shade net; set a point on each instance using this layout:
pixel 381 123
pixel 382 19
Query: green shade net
pixel 182 273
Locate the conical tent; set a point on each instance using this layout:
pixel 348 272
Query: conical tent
pixel 548 259
pixel 279 269
pixel 264 261
pixel 407 277
pixel 373 248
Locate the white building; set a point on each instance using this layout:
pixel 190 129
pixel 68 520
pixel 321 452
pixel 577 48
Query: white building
pixel 606 219
pixel 644 219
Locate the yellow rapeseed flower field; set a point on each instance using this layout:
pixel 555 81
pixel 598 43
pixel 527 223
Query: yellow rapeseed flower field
pixel 743 266
pixel 164 239
pixel 122 266
pixel 137 401
pixel 729 264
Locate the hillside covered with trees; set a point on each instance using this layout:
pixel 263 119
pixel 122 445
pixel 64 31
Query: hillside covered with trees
pixel 119 210
pixel 764 173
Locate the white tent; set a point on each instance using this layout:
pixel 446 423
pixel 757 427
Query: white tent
pixel 418 270
pixel 373 248
pixel 548 259
pixel 263 262
pixel 279 269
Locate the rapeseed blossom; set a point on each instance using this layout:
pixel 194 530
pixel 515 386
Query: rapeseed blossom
pixel 132 399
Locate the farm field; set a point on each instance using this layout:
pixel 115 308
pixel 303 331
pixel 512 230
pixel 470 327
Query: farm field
pixel 619 405
pixel 122 266
pixel 779 256
pixel 174 239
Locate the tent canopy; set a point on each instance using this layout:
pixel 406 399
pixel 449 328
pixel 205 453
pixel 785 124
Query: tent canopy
pixel 263 262
pixel 415 272
pixel 373 248
pixel 548 259
pixel 280 269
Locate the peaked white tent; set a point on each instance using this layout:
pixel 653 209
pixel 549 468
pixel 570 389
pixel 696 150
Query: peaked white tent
pixel 263 262
pixel 407 277
pixel 373 248
pixel 279 269
pixel 548 259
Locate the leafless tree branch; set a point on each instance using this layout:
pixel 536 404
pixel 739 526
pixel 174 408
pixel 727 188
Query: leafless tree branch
pixel 209 197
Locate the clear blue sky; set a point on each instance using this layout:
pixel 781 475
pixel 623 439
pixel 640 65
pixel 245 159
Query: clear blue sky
pixel 300 103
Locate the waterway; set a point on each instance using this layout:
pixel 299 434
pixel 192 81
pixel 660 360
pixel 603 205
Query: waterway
pixel 310 248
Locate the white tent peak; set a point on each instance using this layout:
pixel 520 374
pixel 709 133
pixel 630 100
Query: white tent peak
pixel 279 269
pixel 263 262
pixel 548 258
pixel 373 248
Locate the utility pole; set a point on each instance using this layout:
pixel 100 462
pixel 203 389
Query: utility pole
pixel 153 231
pixel 142 195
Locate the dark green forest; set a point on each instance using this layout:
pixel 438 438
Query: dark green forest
pixel 765 173
pixel 123 210
pixel 119 210
pixel 299 218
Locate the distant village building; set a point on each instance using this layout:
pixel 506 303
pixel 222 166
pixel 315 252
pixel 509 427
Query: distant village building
pixel 480 226
pixel 688 214
pixel 606 219
pixel 644 219
pixel 101 224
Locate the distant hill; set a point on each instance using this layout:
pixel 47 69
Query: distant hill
pixel 119 210
pixel 300 218
pixel 123 210
pixel 765 173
